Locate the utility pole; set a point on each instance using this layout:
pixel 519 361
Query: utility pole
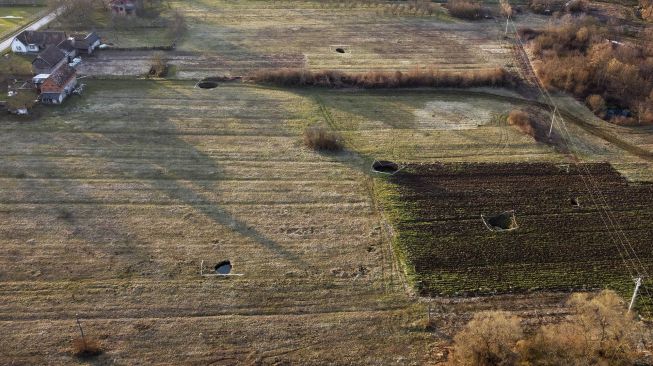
pixel 553 117
pixel 638 283
pixel 507 20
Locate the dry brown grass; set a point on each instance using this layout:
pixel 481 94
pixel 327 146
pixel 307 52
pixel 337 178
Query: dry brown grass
pixel 159 65
pixel 376 79
pixel 86 348
pixel 600 332
pixel 490 338
pixel 465 9
pixel 321 139
pixel 522 121
pixel 576 56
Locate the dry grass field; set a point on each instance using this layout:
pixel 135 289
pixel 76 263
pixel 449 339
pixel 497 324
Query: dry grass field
pixel 110 203
pixel 236 38
pixel 109 217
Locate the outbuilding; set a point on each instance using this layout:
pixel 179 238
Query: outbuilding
pixel 48 60
pixel 59 85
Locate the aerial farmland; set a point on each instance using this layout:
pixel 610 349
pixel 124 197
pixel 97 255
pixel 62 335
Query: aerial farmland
pixel 322 182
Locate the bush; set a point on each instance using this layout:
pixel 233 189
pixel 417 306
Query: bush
pixel 546 6
pixel 575 56
pixel 398 79
pixel 318 138
pixel 86 348
pixel 506 8
pixel 522 121
pixel 577 6
pixel 490 338
pixel 464 9
pixel 599 331
pixel 159 65
pixel 596 103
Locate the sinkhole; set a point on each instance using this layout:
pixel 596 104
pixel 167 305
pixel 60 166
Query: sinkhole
pixel 223 268
pixel 383 166
pixel 207 84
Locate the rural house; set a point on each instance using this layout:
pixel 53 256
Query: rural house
pixel 59 85
pixel 122 7
pixel 85 43
pixel 49 60
pixel 35 41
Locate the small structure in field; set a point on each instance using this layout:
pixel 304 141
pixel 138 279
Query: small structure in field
pixel 49 60
pixel 122 7
pixel 36 41
pixel 59 85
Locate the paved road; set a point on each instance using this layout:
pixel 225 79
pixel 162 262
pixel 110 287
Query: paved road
pixel 6 43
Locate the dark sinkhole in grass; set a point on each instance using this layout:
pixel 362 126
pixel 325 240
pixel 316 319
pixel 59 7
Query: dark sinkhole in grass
pixel 340 50
pixel 223 267
pixel 574 202
pixel 501 222
pixel 383 166
pixel 207 84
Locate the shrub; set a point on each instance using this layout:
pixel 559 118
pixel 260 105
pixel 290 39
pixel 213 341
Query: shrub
pixel 546 6
pixel 373 79
pixel 490 338
pixel 601 332
pixel 577 6
pixel 318 138
pixel 575 56
pixel 596 103
pixel 159 65
pixel 506 8
pixel 464 9
pixel 522 121
pixel 86 348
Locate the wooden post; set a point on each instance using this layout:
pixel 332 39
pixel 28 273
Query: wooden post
pixel 79 325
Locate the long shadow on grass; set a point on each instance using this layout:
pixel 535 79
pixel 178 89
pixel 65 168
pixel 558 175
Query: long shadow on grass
pixel 176 184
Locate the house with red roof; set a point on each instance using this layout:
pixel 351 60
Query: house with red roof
pixel 59 85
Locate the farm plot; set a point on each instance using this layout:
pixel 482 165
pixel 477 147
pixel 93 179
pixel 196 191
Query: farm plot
pixel 236 38
pixel 560 241
pixel 110 203
pixel 332 36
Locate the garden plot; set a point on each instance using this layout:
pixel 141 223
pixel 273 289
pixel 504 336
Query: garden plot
pixel 555 235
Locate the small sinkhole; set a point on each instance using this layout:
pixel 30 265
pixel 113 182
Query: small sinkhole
pixel 207 84
pixel 340 50
pixel 574 202
pixel 504 221
pixel 223 267
pixel 383 166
